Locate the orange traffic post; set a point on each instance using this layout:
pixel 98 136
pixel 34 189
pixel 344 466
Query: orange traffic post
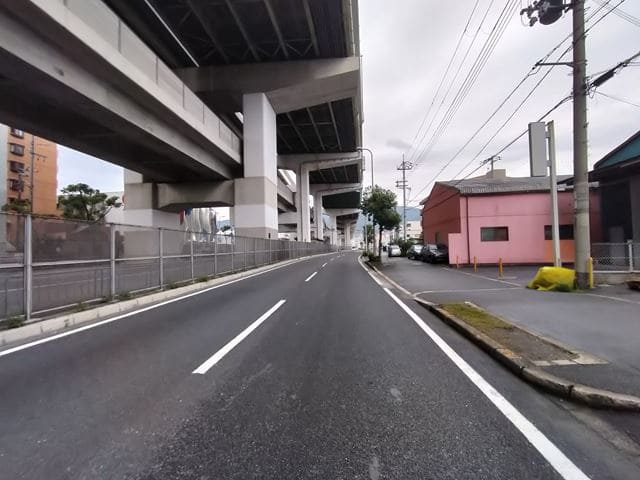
pixel 457 262
pixel 500 270
pixel 590 270
pixel 475 264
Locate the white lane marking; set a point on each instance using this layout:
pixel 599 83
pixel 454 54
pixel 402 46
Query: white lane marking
pixel 324 265
pixel 142 310
pixel 500 289
pixel 219 355
pixel 482 276
pixel 617 299
pixel 311 276
pixel 558 460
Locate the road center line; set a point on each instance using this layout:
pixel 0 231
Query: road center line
pixel 311 276
pixel 324 265
pixel 558 460
pixel 219 355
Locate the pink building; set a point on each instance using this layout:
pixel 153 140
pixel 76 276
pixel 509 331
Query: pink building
pixel 495 217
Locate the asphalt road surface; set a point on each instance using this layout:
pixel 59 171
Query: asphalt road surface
pixel 314 370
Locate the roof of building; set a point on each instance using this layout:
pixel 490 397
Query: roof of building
pixel 500 183
pixel 628 150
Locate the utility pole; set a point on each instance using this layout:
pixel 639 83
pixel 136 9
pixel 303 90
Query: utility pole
pixel 580 152
pixel 404 166
pixel 31 172
pixel 547 12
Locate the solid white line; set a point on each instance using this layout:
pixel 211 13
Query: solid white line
pixel 482 276
pixel 324 265
pixel 558 460
pixel 616 299
pixel 219 355
pixel 141 310
pixel 466 291
pixel 311 276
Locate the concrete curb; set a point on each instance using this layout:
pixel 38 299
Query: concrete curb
pixel 63 322
pixel 593 397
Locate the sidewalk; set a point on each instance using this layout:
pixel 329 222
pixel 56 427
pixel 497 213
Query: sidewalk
pixel 604 322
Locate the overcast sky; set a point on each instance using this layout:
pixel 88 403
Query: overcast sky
pixel 406 46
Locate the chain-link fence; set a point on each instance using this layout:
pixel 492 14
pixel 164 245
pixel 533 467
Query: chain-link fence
pixel 49 264
pixel 616 257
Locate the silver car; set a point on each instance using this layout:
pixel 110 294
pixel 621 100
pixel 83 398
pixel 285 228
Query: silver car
pixel 394 251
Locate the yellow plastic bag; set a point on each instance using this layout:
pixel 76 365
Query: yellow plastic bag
pixel 557 279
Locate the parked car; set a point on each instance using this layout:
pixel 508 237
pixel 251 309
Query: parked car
pixel 394 251
pixel 414 252
pixel 435 253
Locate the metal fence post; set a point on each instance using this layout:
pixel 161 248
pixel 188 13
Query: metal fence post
pixel 270 261
pixel 233 248
pixel 112 257
pixel 28 268
pixel 191 258
pixel 161 256
pixel 245 254
pixel 215 255
pixel 630 250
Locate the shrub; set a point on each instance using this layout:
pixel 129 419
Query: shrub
pixel 15 321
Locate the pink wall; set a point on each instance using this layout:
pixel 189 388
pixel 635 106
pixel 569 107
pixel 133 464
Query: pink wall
pixel 525 215
pixel 441 213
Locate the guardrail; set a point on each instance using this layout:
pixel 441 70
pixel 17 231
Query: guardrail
pixel 49 264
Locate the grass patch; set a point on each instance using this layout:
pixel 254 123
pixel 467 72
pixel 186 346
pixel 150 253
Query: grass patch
pixel 479 319
pixel 202 279
pixel 125 296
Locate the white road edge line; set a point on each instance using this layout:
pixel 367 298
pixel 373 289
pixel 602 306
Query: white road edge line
pixel 219 355
pixel 324 265
pixel 141 310
pixel 558 460
pixel 311 276
pixel 482 276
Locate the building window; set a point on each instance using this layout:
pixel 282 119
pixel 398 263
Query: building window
pixel 16 167
pixel 566 232
pixel 17 133
pixel 494 234
pixel 16 185
pixel 16 149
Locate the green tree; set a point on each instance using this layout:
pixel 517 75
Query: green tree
pixel 17 205
pixel 380 205
pixel 81 202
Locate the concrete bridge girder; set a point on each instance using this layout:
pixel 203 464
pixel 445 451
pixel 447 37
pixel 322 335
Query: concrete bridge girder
pixel 289 86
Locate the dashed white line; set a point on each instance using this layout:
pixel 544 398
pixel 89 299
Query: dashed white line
pixel 324 265
pixel 311 276
pixel 558 460
pixel 219 355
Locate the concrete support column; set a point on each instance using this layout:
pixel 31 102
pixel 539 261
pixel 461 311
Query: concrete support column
pixel 347 234
pixel 317 215
pixel 302 204
pixel 334 229
pixel 256 195
pixel 140 204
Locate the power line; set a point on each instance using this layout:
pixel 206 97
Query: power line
pixel 540 62
pixel 618 99
pixel 497 154
pixel 472 76
pixel 435 96
pixel 453 81
pixel 620 13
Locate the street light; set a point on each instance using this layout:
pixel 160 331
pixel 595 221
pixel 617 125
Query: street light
pixel 362 149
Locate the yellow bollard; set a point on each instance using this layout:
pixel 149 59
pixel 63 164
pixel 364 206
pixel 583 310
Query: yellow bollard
pixel 500 270
pixel 590 270
pixel 475 264
pixel 457 262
